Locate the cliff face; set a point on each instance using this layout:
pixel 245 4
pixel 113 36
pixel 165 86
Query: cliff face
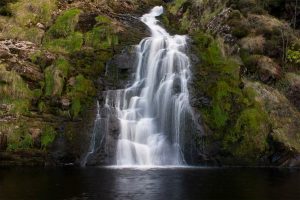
pixel 53 56
pixel 245 86
pixel 245 81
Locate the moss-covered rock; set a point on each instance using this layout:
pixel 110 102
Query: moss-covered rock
pixel 283 116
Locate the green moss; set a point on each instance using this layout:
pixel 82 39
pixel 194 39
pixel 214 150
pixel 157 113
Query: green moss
pixel 14 92
pixel 101 19
pixel 70 44
pixel 12 85
pixel 20 139
pixel 42 106
pixel 102 36
pixel 233 115
pixel 65 24
pixel 81 94
pixel 293 56
pixel 63 65
pixel 248 139
pixel 55 77
pixel 33 11
pixel 48 136
pixel 175 6
pixel 76 107
pixel 89 62
pixel 185 22
pixel 25 15
pixel 37 93
pixel 39 58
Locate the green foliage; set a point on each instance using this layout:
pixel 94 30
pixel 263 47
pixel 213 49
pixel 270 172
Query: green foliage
pixel 81 94
pixel 55 77
pixel 39 58
pixel 249 135
pixel 102 36
pixel 4 7
pixel 48 136
pixel 37 93
pixel 101 19
pixel 89 62
pixel 42 106
pixel 20 139
pixel 293 56
pixel 176 5
pixel 25 15
pixel 233 112
pixel 61 37
pixel 65 24
pixel 63 65
pixel 70 44
pixel 14 92
pixel 33 11
pixel 49 81
pixel 76 107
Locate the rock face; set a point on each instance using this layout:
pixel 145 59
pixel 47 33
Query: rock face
pixel 284 121
pixel 50 85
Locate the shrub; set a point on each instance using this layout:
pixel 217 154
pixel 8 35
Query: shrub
pixel 233 114
pixel 48 136
pixel 81 94
pixel 31 12
pixel 70 44
pixel 20 139
pixel 65 24
pixel 102 36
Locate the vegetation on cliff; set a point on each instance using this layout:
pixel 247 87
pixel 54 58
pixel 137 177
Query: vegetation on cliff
pixel 246 71
pixel 239 42
pixel 51 55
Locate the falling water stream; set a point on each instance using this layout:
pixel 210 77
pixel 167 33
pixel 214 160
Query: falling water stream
pixel 152 111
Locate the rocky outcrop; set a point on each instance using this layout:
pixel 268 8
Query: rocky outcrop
pixel 284 121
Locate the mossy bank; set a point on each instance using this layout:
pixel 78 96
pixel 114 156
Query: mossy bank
pixel 244 55
pixel 53 58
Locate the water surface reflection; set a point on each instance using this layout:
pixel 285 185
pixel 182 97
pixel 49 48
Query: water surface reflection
pixel 149 184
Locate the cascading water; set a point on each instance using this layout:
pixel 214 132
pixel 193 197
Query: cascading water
pixel 152 111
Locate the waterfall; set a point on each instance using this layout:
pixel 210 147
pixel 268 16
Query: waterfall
pixel 152 111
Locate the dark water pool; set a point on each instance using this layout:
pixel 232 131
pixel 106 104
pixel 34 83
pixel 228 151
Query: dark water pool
pixel 150 184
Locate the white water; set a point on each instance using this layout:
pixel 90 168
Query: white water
pixel 152 111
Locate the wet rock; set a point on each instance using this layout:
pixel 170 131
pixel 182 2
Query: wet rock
pixel 3 141
pixel 86 21
pixel 125 60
